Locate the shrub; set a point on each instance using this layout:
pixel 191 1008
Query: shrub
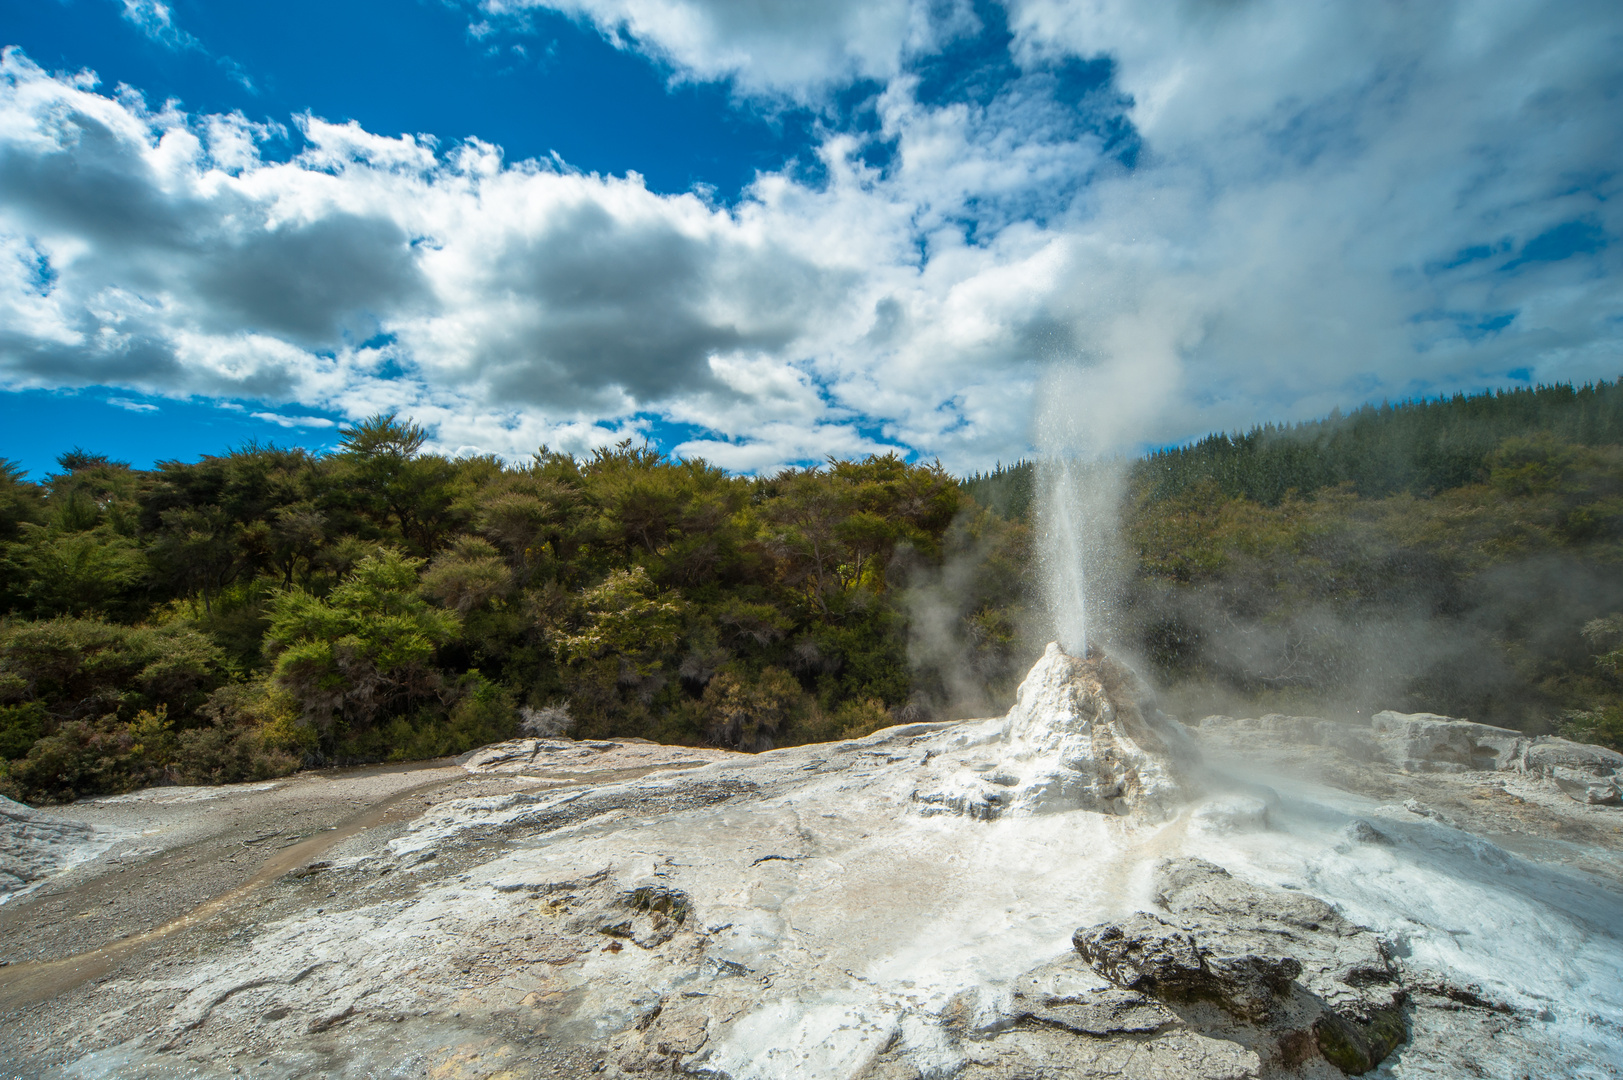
pixel 855 719
pixel 20 727
pixel 81 757
pixel 79 668
pixel 547 722
pixel 1603 727
pixel 253 733
pixel 745 712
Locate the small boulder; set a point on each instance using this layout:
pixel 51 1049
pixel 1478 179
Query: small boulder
pixel 1360 831
pixel 1143 952
pixel 1150 955
pixel 1547 754
pixel 1586 788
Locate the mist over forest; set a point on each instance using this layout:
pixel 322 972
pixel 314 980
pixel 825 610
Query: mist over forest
pixel 266 609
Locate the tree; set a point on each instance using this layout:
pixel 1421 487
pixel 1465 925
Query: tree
pixel 365 651
pixel 20 501
pixel 381 473
pixel 73 573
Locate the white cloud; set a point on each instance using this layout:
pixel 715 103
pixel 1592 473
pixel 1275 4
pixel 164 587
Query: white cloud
pixel 790 49
pixel 1329 203
pixel 293 421
pixel 1314 171
pixel 132 406
pixel 157 21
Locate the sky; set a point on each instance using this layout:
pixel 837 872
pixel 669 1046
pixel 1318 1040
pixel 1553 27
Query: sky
pixel 763 234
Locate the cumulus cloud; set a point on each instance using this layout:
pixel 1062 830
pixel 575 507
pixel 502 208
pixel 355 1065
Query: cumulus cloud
pixel 1217 212
pixel 796 50
pixel 1344 195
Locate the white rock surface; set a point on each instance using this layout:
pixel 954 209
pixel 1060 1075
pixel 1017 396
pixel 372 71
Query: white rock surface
pixel 34 845
pixel 1083 735
pixel 566 758
pixel 1430 743
pixel 1092 739
pixel 903 906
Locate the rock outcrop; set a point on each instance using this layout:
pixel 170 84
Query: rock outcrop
pixel 1429 743
pixel 1426 742
pixel 1287 963
pixel 558 758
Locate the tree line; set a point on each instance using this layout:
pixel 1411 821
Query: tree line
pixel 249 613
pixel 246 613
pixel 1459 555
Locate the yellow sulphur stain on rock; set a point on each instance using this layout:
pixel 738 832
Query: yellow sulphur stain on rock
pixel 475 1061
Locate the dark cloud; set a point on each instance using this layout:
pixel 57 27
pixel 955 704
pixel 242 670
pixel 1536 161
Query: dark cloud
pixel 316 283
pixel 94 185
pixel 638 307
pixel 140 361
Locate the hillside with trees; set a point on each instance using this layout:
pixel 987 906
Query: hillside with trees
pixel 1460 555
pixel 247 614
pixel 238 616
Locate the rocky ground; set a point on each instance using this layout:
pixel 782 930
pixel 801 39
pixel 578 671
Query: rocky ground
pixel 1083 888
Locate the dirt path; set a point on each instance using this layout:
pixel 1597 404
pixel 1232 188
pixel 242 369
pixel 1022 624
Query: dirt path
pixel 131 902
pixel 190 867
pixel 185 855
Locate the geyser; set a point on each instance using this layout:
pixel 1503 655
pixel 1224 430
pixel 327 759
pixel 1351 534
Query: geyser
pixel 1065 550
pixel 1084 734
pixel 1079 489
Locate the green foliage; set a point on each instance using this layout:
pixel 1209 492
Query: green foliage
pixel 20 501
pixel 20 727
pixel 73 572
pixel 1468 601
pixel 854 719
pixel 80 668
pixel 746 712
pixel 237 616
pixel 1604 727
pixel 79 757
pixel 1420 447
pixel 365 651
pixel 1607 633
pixel 89 706
pixel 1007 491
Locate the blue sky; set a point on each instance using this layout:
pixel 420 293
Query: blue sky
pixel 413 66
pixel 767 233
pixel 550 87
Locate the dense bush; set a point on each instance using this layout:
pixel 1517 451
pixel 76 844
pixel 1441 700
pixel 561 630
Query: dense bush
pixel 271 608
pixel 1442 555
pixel 241 615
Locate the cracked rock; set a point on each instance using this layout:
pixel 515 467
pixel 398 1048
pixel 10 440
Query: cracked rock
pixel 1252 951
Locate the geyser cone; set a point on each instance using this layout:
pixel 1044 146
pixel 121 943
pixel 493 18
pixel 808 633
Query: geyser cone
pixel 1084 734
pixel 1095 740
